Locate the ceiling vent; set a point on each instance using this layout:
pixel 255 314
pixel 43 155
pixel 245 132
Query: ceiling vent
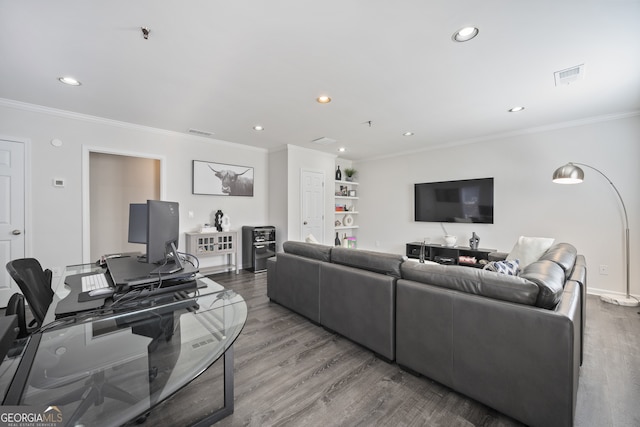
pixel 200 132
pixel 324 141
pixel 570 75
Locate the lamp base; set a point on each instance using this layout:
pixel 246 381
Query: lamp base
pixel 620 300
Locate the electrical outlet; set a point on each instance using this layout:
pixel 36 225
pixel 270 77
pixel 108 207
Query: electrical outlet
pixel 604 269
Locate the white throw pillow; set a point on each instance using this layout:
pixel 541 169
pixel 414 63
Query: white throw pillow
pixel 311 239
pixel 529 249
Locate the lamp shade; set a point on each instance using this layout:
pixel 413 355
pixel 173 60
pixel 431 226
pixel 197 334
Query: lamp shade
pixel 568 174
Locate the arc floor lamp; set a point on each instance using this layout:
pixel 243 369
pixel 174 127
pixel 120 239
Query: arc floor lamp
pixel 572 174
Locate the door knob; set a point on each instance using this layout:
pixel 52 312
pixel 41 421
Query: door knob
pixel 304 223
pixel 16 232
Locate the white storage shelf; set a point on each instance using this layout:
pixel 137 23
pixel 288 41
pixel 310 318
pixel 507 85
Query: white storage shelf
pixel 340 200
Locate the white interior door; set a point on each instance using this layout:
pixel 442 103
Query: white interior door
pixel 11 212
pixel 312 214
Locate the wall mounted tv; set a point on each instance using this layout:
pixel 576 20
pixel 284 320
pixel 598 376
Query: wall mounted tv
pixel 469 200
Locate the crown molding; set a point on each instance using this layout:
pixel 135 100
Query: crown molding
pixel 40 109
pixel 520 132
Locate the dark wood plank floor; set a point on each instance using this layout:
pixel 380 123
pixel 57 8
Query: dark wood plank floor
pixel 290 372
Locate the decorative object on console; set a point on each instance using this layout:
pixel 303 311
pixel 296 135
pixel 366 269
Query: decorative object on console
pixel 572 174
pixel 450 240
pixel 338 174
pixel 220 179
pixel 217 223
pixel 225 222
pixel 474 241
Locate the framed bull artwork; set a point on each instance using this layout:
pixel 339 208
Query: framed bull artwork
pixel 219 179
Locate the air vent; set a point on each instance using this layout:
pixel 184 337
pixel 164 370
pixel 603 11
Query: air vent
pixel 200 132
pixel 324 141
pixel 570 75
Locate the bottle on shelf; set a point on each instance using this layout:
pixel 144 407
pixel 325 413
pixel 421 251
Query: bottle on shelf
pixel 337 240
pixel 338 174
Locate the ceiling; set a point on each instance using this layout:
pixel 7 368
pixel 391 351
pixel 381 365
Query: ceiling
pixel 225 66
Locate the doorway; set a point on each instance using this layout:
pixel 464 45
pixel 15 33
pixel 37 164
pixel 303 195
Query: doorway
pixel 12 211
pixel 112 181
pixel 312 212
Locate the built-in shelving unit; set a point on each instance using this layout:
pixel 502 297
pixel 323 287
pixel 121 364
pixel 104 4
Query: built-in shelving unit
pixel 346 209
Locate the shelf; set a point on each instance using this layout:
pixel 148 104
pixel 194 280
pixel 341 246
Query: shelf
pixel 344 227
pixel 347 182
pixel 347 212
pixel 346 197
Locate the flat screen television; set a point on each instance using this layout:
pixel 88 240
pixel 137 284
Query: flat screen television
pixel 469 200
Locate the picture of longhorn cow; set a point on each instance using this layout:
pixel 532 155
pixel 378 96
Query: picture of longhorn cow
pixel 222 179
pixel 233 183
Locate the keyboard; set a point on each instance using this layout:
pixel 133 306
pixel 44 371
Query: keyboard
pixel 94 281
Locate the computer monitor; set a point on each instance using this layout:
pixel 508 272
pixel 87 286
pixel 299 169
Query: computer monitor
pixel 163 233
pixel 138 223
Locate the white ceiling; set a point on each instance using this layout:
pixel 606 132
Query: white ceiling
pixel 224 66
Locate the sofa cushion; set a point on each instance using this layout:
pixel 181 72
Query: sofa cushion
pixel 508 267
pixel 550 279
pixel 529 249
pixel 473 281
pixel 308 250
pixel 377 262
pixel 563 254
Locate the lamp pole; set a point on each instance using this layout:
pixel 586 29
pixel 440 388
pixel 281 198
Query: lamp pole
pixel 629 300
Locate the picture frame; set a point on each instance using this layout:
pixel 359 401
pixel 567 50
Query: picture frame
pixel 221 179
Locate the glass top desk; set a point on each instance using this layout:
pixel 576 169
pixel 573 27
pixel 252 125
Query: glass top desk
pixel 112 366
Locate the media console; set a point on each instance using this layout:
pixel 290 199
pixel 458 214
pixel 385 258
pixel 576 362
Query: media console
pixel 450 254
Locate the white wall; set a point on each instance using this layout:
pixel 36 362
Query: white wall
pixel 278 201
pixel 526 201
pixel 55 234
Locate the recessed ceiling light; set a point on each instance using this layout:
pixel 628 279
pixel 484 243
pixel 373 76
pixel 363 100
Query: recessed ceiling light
pixel 69 81
pixel 258 127
pixel 342 149
pixel 323 99
pixel 407 134
pixel 516 109
pixel 465 34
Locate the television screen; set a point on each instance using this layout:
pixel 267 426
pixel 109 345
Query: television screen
pixel 469 200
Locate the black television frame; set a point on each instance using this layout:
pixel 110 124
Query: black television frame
pixel 442 201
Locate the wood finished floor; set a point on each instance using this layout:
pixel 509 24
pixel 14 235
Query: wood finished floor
pixel 290 372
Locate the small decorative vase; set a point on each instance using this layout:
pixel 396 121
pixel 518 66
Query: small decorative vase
pixel 474 241
pixel 338 174
pixel 218 217
pixel 337 242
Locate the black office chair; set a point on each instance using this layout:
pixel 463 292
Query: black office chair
pixel 15 306
pixel 35 285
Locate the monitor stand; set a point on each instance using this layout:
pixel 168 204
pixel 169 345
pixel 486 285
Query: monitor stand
pixel 173 263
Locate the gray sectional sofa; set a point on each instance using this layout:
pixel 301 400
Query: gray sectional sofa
pixel 513 343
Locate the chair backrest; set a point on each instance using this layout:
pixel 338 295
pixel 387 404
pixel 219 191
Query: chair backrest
pixel 34 283
pixel 15 306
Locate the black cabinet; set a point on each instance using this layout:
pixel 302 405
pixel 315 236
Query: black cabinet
pixel 454 255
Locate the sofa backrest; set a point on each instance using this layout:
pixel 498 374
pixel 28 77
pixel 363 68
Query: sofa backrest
pixel 473 281
pixel 378 262
pixel 308 250
pixel 549 277
pixel 563 254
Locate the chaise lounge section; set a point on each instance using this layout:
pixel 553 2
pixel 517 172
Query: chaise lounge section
pixel 513 343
